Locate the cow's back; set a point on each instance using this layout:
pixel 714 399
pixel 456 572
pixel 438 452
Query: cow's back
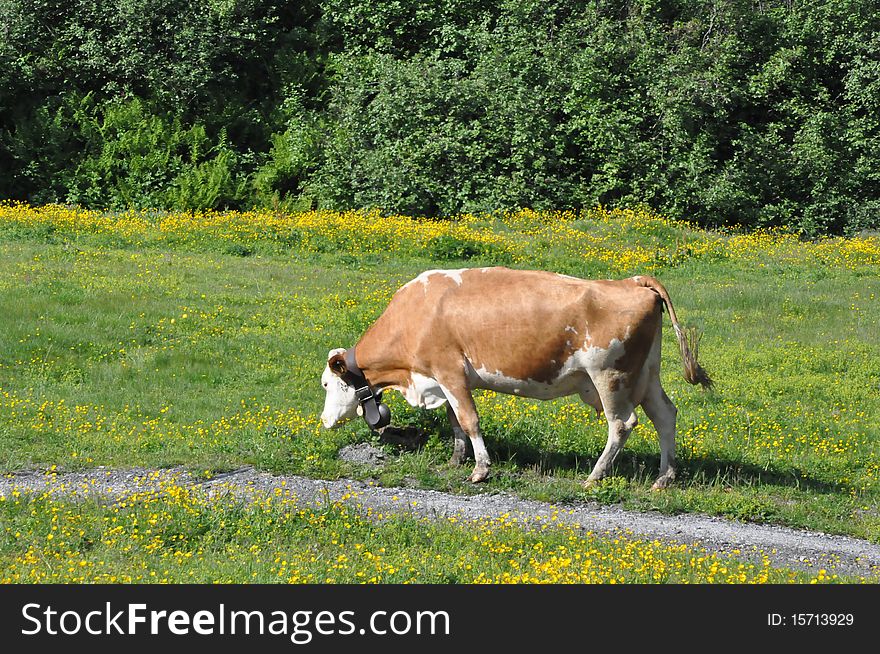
pixel 522 324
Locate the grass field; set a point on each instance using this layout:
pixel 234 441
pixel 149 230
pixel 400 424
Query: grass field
pixel 177 536
pixel 160 339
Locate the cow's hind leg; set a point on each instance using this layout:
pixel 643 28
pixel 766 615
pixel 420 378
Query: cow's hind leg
pixel 465 413
pixel 621 417
pixel 662 412
pixel 459 445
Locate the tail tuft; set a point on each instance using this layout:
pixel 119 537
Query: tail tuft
pixel 688 341
pixel 689 345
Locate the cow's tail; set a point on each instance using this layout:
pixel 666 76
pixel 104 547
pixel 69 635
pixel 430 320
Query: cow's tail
pixel 688 339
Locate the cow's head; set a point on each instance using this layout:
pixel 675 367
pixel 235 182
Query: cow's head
pixel 341 403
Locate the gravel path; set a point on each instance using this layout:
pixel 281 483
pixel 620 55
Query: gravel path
pixel 784 547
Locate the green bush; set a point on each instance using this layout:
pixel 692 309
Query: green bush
pixel 133 158
pixel 721 113
pixel 283 179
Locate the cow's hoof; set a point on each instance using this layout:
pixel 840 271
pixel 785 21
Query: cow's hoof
pixel 478 475
pixel 662 483
pixel 456 460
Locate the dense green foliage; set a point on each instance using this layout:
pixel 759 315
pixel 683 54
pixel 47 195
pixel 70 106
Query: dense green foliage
pixel 718 111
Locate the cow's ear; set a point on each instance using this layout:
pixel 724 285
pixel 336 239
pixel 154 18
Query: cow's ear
pixel 336 363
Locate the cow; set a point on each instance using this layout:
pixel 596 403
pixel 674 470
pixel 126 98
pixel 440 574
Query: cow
pixel 529 333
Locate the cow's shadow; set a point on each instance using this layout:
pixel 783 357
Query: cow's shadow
pixel 637 465
pixel 705 469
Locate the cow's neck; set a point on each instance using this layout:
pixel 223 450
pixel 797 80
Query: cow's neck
pixel 380 363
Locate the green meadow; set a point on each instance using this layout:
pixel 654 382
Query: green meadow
pixel 160 340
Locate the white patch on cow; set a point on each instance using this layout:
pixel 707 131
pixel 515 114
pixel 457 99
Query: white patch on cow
pixel 571 329
pixel 453 403
pixel 454 275
pixel 594 359
pixel 424 277
pixel 340 403
pixel 424 392
pixel 500 383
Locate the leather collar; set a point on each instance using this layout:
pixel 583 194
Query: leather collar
pixel 374 413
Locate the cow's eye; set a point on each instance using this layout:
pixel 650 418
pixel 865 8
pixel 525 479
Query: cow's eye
pixel 324 384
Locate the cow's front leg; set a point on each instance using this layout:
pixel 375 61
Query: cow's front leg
pixel 459 438
pixel 465 413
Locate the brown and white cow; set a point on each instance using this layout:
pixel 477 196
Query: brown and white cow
pixel 529 333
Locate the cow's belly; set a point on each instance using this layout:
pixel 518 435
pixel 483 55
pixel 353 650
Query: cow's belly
pixel 568 383
pixel 427 393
